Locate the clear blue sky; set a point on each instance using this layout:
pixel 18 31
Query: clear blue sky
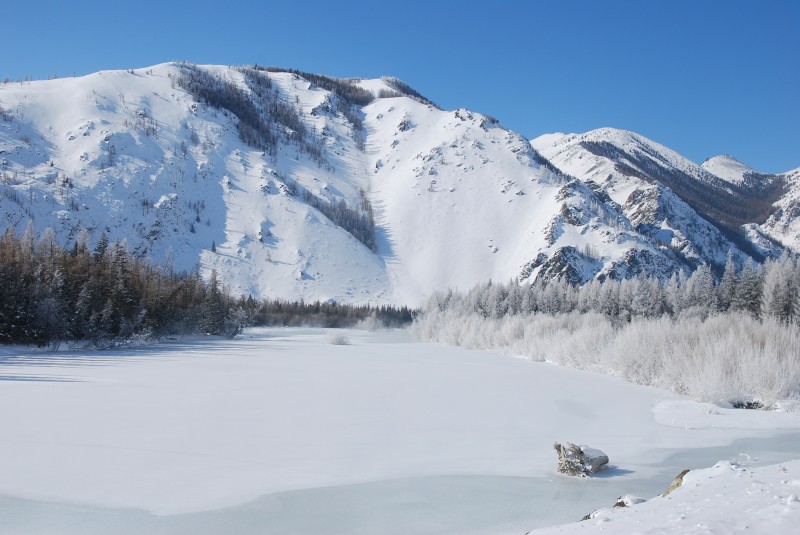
pixel 702 77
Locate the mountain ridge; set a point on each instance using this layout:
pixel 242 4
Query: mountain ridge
pixel 279 179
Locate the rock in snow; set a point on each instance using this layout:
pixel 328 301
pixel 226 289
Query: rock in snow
pixel 581 461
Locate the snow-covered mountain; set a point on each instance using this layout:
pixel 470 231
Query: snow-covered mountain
pixel 727 168
pixel 703 210
pixel 783 223
pixel 783 190
pixel 294 185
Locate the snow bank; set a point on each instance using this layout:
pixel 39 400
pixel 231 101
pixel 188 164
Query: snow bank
pixel 727 498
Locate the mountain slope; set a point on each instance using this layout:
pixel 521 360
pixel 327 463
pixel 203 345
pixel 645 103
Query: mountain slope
pixel 704 214
pixel 298 186
pixel 783 225
pixel 727 168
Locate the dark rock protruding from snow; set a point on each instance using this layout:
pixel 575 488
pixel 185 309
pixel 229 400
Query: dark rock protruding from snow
pixel 581 461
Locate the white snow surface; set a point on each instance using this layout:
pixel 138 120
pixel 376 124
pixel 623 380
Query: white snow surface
pixel 727 168
pixel 191 426
pixel 783 224
pixel 672 221
pixel 678 225
pixel 726 498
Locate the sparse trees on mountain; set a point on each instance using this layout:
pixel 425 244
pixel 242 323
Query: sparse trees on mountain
pixel 344 88
pixel 263 117
pixel 359 223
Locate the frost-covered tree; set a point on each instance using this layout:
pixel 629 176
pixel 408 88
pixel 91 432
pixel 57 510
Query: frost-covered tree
pixel 627 329
pixel 779 290
pixel 699 293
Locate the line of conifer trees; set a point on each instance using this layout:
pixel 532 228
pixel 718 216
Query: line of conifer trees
pixel 103 295
pixel 325 314
pixel 771 289
pixel 50 294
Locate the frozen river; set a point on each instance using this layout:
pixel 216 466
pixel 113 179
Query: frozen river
pixel 280 432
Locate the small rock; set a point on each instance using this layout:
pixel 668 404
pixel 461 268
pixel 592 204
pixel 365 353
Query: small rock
pixel 677 482
pixel 628 501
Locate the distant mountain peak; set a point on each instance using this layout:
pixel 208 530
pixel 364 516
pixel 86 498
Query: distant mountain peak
pixel 727 168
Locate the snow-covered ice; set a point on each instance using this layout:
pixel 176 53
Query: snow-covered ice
pixel 283 432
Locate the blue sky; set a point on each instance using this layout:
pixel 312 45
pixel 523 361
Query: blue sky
pixel 702 77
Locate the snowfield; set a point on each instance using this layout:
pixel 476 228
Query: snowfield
pixel 283 431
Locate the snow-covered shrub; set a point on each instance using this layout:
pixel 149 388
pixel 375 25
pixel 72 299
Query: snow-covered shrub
pixel 370 323
pixel 729 357
pixel 337 339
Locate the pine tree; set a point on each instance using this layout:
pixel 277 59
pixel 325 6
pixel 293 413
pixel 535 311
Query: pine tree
pixel 102 245
pixel 727 285
pixel 747 297
pixel 214 308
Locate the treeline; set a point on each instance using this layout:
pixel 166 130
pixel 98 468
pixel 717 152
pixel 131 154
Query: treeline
pixel 222 94
pixel 404 89
pixel 326 314
pixel 49 294
pixel 734 340
pixel 351 97
pixel 334 106
pixel 104 295
pixel 771 289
